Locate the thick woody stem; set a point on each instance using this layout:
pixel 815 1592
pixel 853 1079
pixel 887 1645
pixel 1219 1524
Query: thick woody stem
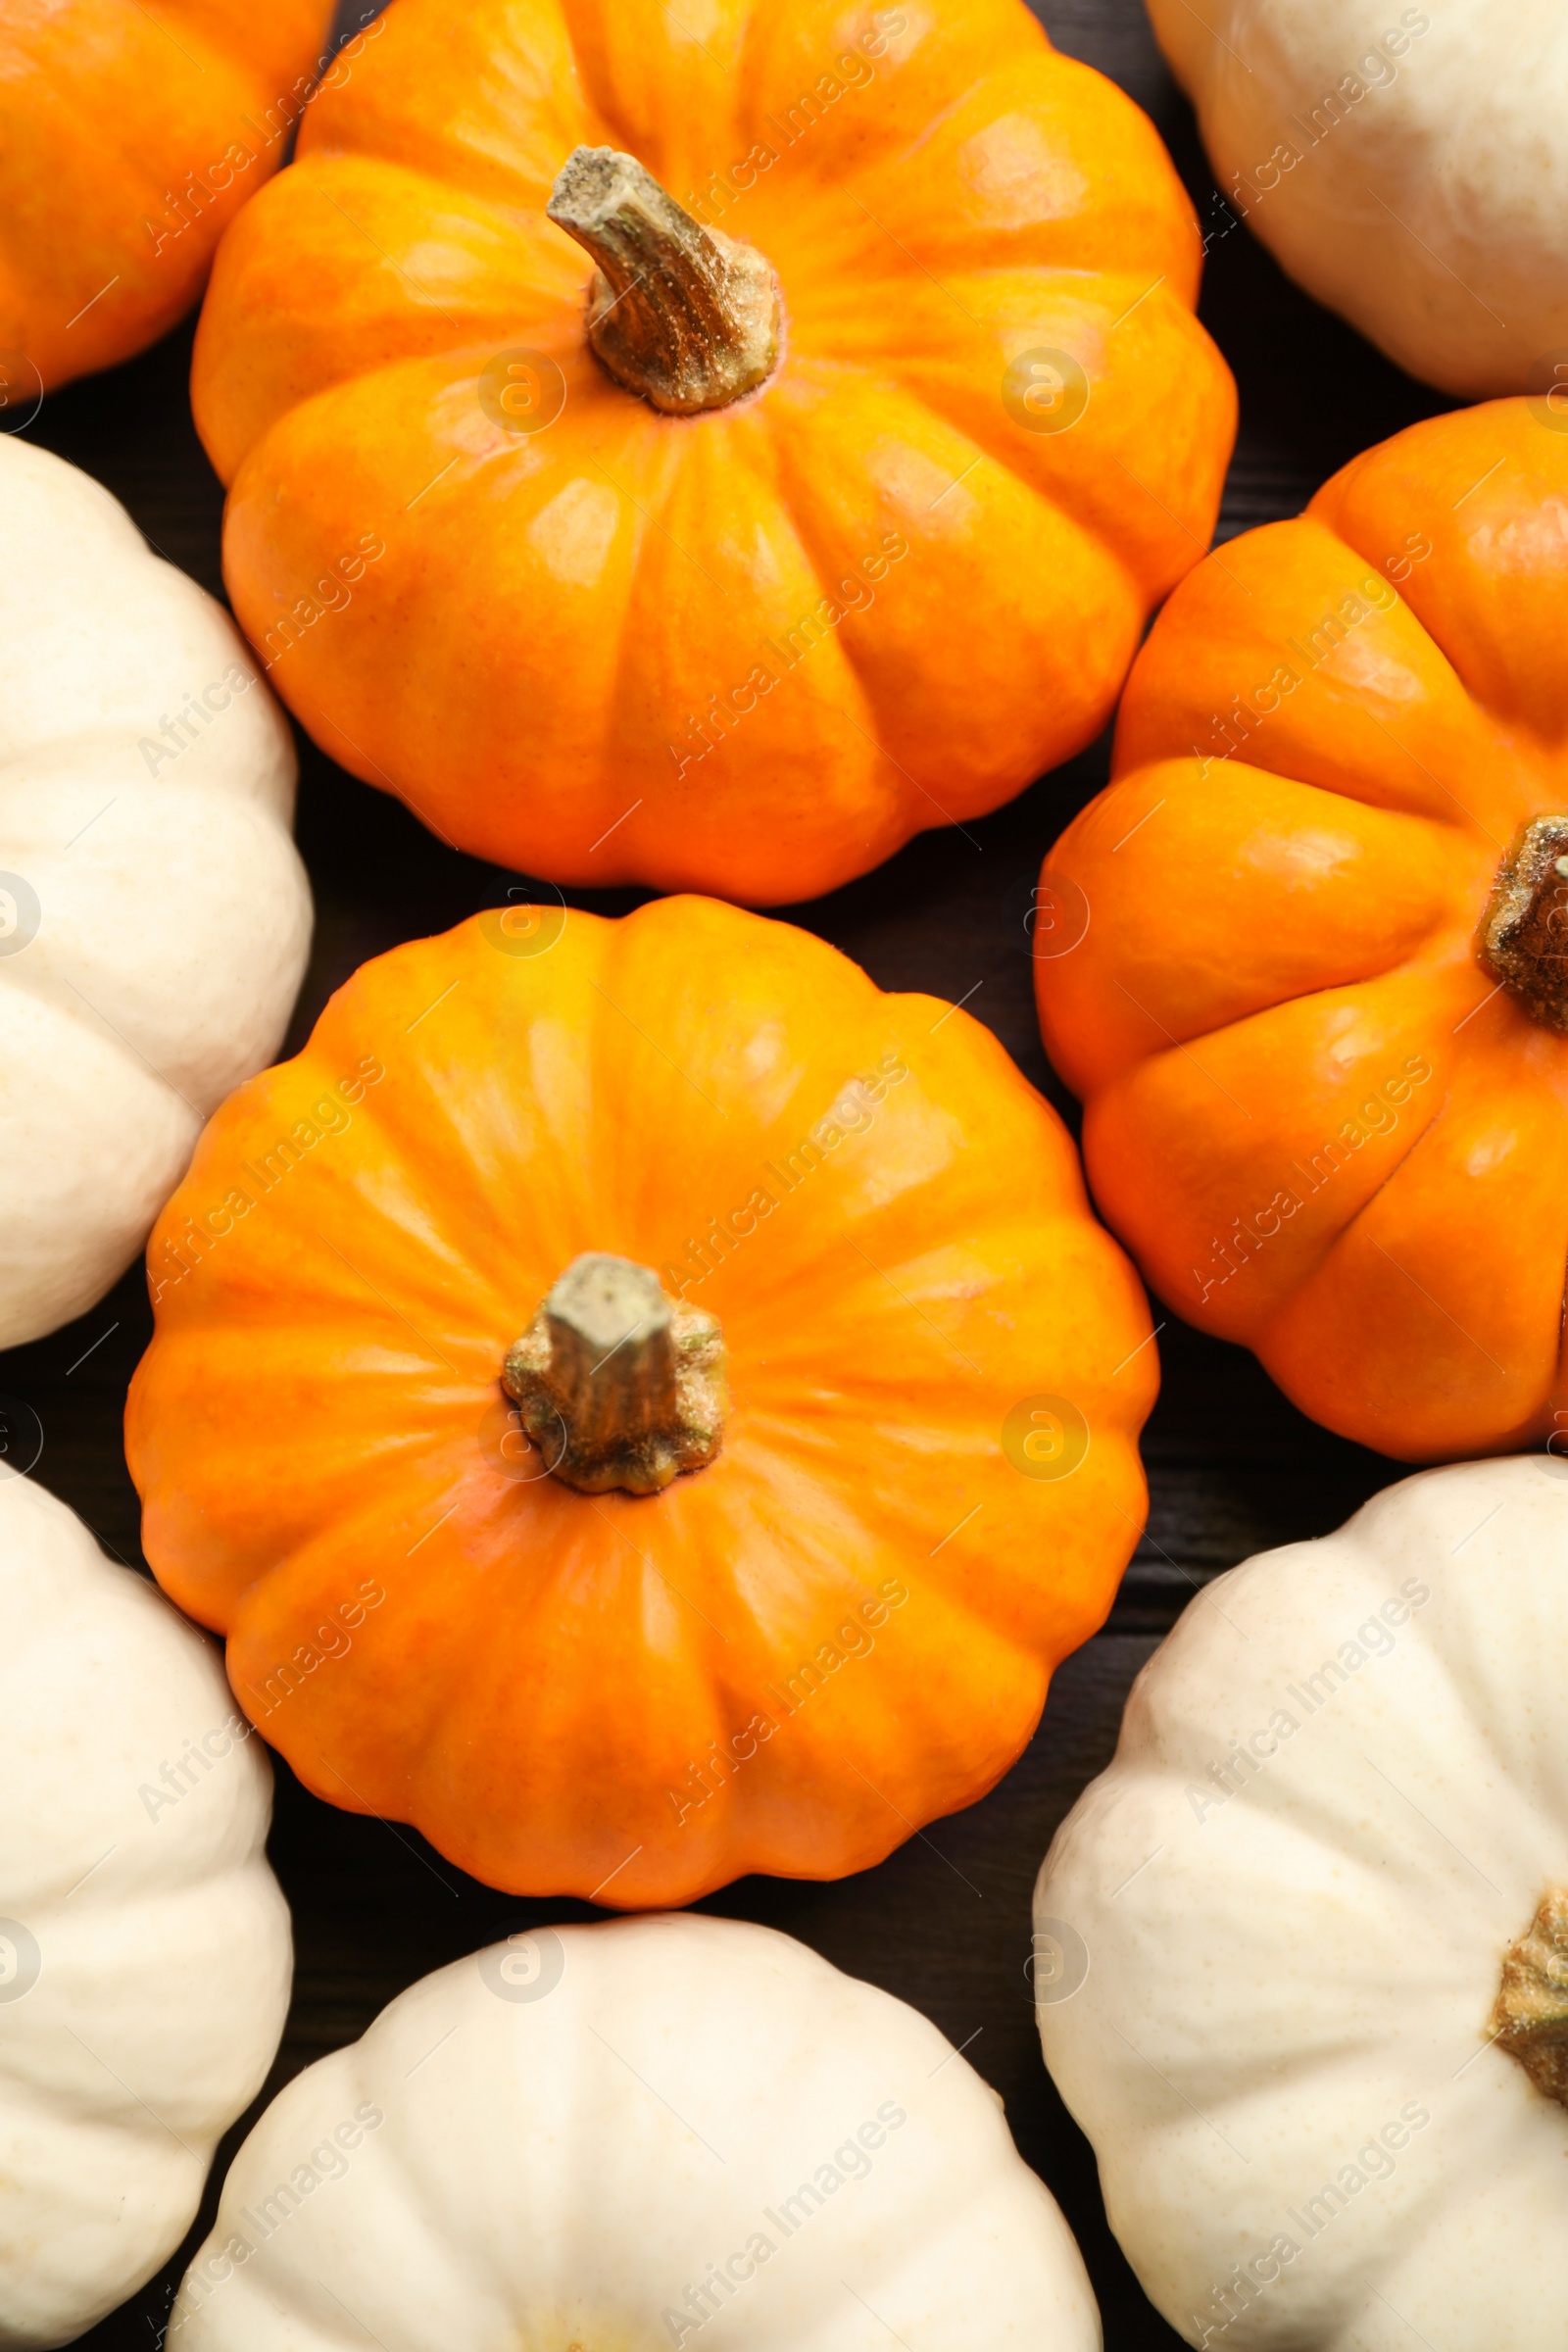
pixel 1524 935
pixel 680 313
pixel 1530 2018
pixel 617 1384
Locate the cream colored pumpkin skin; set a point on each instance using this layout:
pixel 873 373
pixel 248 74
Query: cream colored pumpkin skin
pixel 1340 1794
pixel 154 915
pixel 144 1943
pixel 662 2132
pixel 1406 165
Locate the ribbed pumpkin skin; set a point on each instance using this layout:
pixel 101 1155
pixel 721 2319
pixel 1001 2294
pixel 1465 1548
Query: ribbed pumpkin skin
pixel 701 631
pixel 1311 1114
pixel 145 1942
pixel 169 917
pixel 1346 1769
pixel 557 1687
pixel 1403 164
pixel 526 2191
pixel 128 141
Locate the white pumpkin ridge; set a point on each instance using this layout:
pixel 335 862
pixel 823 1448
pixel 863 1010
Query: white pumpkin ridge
pixel 145 1952
pixel 1404 165
pixel 652 2133
pixel 1322 1998
pixel 154 913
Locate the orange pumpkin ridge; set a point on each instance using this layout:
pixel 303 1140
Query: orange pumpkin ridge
pixel 815 495
pixel 1318 1019
pixel 877 1404
pixel 129 141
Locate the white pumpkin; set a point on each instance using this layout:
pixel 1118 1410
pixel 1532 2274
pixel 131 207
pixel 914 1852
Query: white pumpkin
pixel 144 1943
pixel 657 2132
pixel 154 915
pixel 1316 2044
pixel 1406 165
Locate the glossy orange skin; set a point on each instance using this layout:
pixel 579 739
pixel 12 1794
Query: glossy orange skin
pixel 556 1687
pixel 1282 940
pixel 687 650
pixel 130 137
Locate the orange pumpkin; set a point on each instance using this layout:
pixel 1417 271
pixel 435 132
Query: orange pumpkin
pixel 834 1434
pixel 1319 1014
pixel 835 515
pixel 130 137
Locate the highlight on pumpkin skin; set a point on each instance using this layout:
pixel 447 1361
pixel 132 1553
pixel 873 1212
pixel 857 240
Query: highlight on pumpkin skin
pixel 870 399
pixel 1318 1013
pixel 642 1404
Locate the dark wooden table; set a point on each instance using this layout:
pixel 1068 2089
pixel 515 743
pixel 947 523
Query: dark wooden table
pixel 1233 1468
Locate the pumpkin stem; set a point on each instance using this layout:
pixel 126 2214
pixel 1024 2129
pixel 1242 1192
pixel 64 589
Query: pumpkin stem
pixel 616 1383
pixel 1530 2018
pixel 1524 936
pixel 680 313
